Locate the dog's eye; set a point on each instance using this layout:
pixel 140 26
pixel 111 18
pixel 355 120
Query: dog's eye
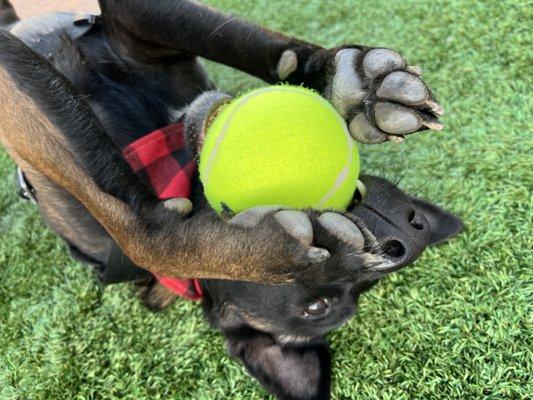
pixel 317 309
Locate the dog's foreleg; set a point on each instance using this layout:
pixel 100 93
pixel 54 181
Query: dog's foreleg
pixel 186 27
pixel 50 130
pixel 374 89
pixel 39 112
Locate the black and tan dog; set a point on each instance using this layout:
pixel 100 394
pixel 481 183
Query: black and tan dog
pixel 75 89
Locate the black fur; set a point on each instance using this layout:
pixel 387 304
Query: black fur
pixel 272 364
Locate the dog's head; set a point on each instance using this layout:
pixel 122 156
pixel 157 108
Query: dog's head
pixel 278 331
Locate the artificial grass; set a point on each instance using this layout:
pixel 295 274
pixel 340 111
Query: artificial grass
pixel 457 324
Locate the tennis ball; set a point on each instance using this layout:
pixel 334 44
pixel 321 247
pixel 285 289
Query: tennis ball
pixel 280 145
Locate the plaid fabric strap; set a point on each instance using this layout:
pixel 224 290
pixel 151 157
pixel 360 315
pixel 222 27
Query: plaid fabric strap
pixel 163 159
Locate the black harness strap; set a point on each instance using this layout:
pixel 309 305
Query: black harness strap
pixel 44 33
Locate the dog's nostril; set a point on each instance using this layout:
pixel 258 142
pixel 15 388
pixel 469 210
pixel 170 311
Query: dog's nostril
pixel 414 221
pixel 394 248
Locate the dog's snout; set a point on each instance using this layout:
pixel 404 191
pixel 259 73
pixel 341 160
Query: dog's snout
pixel 410 233
pixel 402 232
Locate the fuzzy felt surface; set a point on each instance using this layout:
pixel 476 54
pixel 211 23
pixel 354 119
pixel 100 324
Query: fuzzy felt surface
pixel 456 325
pixel 279 145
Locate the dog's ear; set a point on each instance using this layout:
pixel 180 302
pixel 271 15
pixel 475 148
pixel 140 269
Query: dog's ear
pixel 289 372
pixel 443 225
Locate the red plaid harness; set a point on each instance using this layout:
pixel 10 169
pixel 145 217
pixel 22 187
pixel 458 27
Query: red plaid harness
pixel 163 159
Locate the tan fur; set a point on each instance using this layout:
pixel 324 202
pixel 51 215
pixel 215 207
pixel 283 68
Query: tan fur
pixel 258 322
pixel 264 325
pixel 219 251
pixel 36 145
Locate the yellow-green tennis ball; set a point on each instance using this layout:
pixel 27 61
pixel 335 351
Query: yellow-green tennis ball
pixel 281 145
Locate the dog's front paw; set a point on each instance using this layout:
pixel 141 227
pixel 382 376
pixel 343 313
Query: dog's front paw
pixel 380 95
pixel 154 295
pixel 297 224
pixel 313 242
pixel 374 89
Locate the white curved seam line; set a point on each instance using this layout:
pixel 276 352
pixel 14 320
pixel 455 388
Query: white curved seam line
pixel 341 177
pixel 343 174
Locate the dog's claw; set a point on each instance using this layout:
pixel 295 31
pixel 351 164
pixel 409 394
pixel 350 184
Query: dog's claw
pixel 396 138
pixel 433 124
pixel 434 107
pixel 376 262
pixel 343 229
pixel 361 188
pixel 414 69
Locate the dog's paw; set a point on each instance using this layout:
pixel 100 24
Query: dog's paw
pixel 380 95
pixel 297 224
pixel 154 295
pixel 374 89
pixel 329 245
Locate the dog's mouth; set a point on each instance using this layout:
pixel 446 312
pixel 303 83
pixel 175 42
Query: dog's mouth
pixel 395 233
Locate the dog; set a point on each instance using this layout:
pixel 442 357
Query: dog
pixel 77 89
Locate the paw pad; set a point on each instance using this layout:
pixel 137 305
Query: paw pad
pixel 382 97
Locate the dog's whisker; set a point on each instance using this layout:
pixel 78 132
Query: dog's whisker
pixel 221 26
pixel 414 191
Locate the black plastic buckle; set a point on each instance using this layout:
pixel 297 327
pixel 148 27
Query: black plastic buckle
pixel 82 19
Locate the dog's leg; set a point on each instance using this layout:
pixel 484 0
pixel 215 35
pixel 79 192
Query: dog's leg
pixel 154 295
pixel 378 93
pixel 48 129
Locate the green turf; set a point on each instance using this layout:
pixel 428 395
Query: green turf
pixel 457 324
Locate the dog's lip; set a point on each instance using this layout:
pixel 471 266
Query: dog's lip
pixel 320 329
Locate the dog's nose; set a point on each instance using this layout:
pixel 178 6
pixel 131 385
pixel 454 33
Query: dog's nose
pixel 402 232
